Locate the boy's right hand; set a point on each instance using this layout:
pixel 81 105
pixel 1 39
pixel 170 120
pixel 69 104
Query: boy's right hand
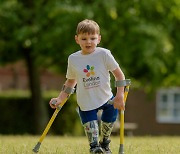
pixel 54 102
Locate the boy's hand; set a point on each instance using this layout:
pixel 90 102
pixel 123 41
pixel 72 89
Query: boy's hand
pixel 54 102
pixel 119 102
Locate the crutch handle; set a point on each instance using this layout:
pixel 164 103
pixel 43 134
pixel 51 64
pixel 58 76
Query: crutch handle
pixel 54 102
pixel 111 102
pixel 60 105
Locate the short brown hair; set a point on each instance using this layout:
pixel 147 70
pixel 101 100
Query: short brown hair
pixel 88 26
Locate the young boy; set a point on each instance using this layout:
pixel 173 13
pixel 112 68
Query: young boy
pixel 89 69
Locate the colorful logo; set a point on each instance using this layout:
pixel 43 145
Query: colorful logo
pixel 89 70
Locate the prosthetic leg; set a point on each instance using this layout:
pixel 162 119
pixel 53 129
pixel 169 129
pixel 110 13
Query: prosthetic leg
pixel 92 132
pixel 106 129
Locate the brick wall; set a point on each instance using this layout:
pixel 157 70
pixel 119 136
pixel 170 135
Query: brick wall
pixel 14 76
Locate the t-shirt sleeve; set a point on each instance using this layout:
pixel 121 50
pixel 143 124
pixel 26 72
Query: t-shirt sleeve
pixel 111 63
pixel 70 74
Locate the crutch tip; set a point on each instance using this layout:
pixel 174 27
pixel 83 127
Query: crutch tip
pixel 121 149
pixel 36 148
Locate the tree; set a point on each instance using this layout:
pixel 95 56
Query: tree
pixel 16 27
pixel 143 35
pixel 40 33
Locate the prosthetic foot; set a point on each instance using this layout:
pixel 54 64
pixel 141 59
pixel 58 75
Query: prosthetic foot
pixel 105 146
pixel 92 132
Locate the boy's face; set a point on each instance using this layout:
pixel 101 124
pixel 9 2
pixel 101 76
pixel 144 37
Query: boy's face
pixel 87 42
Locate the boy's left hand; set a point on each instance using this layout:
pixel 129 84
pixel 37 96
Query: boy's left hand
pixel 119 102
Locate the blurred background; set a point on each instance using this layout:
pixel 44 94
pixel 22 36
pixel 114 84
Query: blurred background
pixel 37 36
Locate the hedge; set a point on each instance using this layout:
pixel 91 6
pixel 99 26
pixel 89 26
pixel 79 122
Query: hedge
pixel 16 116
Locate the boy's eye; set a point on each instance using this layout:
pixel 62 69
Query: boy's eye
pixel 93 38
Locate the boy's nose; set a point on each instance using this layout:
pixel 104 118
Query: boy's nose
pixel 88 41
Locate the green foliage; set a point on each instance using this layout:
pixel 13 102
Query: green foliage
pixel 15 116
pixel 143 35
pixel 18 118
pixel 14 94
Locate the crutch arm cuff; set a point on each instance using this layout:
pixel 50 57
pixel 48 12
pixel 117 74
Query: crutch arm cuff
pixel 68 90
pixel 122 83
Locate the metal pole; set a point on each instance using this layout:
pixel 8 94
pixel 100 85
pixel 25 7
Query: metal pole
pixel 121 147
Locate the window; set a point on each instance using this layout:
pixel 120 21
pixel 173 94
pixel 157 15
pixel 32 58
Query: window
pixel 168 105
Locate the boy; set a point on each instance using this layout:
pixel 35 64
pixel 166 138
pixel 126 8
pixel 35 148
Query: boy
pixel 89 69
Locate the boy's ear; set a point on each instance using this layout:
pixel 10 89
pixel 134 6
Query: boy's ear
pixel 99 39
pixel 76 39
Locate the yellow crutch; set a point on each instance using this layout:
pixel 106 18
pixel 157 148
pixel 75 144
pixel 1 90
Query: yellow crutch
pixel 36 148
pixel 126 90
pixel 124 83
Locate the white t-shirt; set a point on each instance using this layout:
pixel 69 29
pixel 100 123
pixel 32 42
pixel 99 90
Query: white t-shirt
pixel 92 75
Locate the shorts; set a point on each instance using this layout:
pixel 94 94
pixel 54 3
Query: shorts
pixel 109 114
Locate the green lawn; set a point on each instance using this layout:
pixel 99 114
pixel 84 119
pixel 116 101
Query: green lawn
pixel 79 145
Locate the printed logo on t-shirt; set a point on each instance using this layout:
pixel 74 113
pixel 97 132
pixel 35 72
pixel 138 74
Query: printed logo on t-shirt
pixel 92 80
pixel 89 70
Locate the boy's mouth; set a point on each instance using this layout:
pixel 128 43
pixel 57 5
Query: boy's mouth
pixel 88 47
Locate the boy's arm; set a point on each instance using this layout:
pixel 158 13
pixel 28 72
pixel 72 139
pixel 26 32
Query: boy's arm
pixel 119 98
pixel 63 95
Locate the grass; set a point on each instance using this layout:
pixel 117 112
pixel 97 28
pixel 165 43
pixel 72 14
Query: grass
pixel 79 145
pixel 27 93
